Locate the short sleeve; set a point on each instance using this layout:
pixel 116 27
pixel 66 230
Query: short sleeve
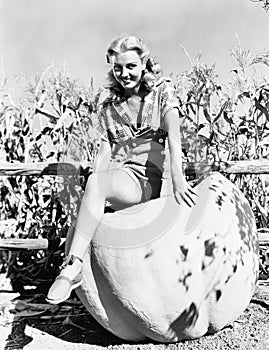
pixel 101 126
pixel 168 99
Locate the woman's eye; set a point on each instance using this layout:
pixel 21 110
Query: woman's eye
pixel 117 69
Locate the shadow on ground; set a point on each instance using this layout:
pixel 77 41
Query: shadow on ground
pixel 71 327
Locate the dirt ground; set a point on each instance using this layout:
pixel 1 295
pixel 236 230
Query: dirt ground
pixel 31 324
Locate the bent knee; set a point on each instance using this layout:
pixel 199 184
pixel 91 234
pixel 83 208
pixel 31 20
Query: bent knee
pixel 116 186
pixel 92 180
pixel 98 184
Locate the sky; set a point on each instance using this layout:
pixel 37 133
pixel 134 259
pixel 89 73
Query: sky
pixel 76 33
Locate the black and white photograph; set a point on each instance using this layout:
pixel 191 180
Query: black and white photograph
pixel 134 174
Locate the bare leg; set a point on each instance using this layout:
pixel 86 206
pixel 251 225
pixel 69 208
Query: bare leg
pixel 114 185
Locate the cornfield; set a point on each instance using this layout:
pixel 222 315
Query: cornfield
pixel 56 122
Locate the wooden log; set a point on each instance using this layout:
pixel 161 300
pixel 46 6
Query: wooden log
pixel 43 243
pixel 245 167
pixel 230 167
pixel 29 243
pixel 76 168
pixel 263 236
pixel 44 168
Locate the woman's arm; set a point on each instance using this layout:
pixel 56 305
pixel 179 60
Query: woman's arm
pixel 182 190
pixel 103 157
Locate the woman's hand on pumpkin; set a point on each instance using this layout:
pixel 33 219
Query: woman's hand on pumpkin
pixel 183 191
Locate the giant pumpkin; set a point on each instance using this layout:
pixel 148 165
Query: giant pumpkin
pixel 167 272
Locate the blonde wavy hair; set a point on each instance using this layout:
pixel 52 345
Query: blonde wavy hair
pixel 152 70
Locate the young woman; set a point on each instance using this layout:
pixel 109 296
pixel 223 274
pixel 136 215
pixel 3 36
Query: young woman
pixel 140 112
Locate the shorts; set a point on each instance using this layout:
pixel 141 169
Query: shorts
pixel 148 177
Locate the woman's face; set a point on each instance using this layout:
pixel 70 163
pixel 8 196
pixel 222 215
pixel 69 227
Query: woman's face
pixel 127 69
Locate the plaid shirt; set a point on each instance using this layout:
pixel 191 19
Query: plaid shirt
pixel 115 121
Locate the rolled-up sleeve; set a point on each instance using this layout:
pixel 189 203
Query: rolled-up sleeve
pixel 168 99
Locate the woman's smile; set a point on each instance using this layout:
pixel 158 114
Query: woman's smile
pixel 128 69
